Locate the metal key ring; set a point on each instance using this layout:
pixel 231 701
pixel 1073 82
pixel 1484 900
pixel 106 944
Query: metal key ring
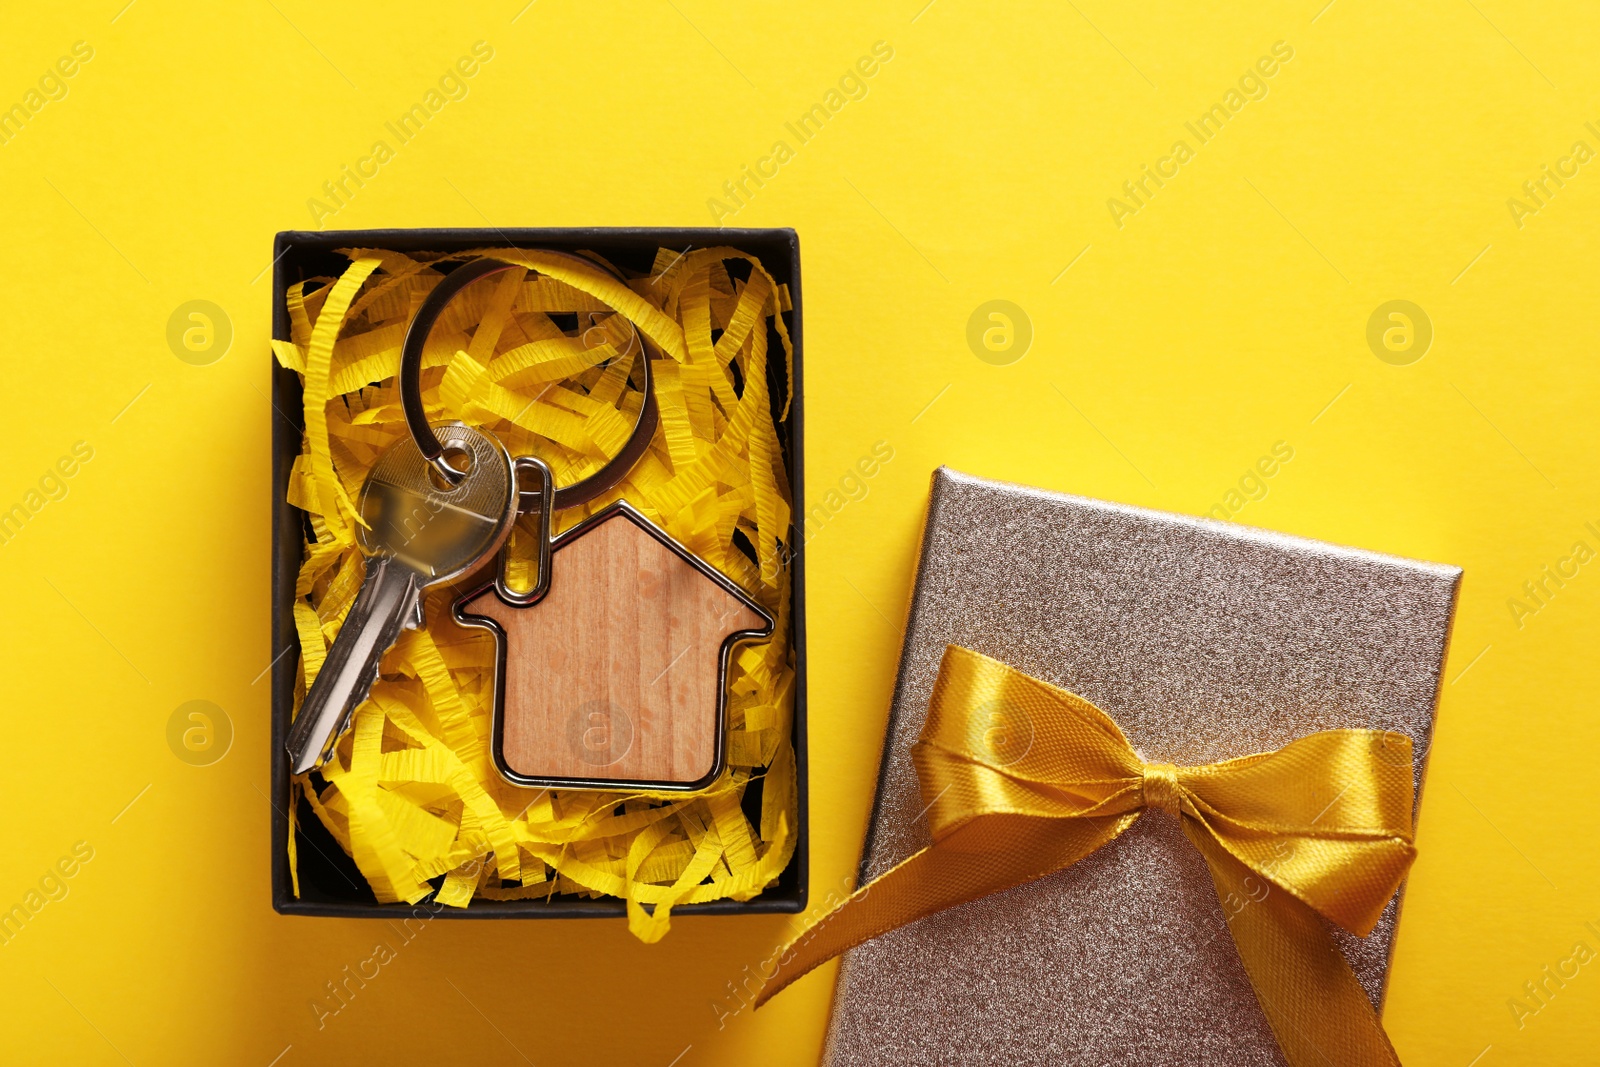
pixel 579 492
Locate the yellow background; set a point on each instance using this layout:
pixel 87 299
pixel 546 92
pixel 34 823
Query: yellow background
pixel 1226 315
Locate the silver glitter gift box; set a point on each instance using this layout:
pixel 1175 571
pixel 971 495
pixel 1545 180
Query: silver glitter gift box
pixel 1204 640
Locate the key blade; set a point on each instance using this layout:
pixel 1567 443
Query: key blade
pixel 388 598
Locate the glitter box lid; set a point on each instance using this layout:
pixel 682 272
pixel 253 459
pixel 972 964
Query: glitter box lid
pixel 1204 640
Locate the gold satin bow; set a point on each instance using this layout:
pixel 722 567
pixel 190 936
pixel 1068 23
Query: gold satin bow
pixel 1022 779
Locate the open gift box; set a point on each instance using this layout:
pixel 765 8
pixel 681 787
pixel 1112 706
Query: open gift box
pixel 329 881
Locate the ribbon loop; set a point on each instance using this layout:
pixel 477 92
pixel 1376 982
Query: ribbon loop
pixel 1022 779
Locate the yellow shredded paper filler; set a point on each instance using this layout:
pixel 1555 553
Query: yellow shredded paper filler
pixel 411 792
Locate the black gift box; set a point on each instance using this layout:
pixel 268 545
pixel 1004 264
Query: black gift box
pixel 330 883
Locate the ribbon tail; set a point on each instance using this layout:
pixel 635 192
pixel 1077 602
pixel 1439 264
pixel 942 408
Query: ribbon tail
pixel 1317 1008
pixel 1013 850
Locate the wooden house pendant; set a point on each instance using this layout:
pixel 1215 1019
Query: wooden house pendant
pixel 613 673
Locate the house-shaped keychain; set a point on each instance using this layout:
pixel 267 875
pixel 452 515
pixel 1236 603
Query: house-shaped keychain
pixel 618 665
pixel 611 673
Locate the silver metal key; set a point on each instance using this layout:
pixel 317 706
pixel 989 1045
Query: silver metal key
pixel 419 532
